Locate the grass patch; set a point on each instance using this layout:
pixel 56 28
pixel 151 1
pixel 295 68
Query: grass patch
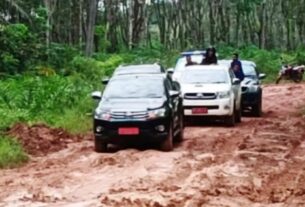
pixel 11 153
pixel 74 122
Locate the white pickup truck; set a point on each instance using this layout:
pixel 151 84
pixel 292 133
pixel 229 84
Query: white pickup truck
pixel 211 91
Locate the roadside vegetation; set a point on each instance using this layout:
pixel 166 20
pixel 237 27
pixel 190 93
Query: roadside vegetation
pixel 11 153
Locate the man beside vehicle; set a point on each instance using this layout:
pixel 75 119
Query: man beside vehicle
pixel 236 66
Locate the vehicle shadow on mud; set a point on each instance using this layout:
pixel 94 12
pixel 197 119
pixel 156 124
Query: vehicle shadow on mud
pixel 214 123
pixel 200 121
pixel 114 148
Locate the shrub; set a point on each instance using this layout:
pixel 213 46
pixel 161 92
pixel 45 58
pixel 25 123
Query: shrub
pixel 43 99
pixel 59 55
pixel 87 68
pixel 11 153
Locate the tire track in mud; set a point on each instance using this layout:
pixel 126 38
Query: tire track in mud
pixel 261 162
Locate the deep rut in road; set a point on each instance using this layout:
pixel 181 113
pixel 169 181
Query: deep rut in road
pixel 260 162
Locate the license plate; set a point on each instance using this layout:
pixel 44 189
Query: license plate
pixel 199 111
pixel 129 131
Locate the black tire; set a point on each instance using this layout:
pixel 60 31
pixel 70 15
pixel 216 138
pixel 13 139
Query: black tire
pixel 167 144
pixel 238 115
pixel 180 135
pixel 99 145
pixel 298 79
pixel 257 109
pixel 230 120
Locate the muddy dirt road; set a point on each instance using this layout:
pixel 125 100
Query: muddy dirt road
pixel 261 162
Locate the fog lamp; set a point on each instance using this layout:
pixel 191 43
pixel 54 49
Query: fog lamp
pixel 227 107
pixel 99 129
pixel 160 128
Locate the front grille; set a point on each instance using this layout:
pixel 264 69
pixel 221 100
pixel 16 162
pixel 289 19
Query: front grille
pixel 139 115
pixel 200 96
pixel 208 107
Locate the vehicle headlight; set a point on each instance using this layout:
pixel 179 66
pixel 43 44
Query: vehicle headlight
pixel 252 88
pixel 102 115
pixel 157 113
pixel 224 94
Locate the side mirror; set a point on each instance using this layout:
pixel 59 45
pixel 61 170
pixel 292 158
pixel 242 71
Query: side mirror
pixel 105 81
pixel 174 94
pixel 96 95
pixel 236 81
pixel 170 71
pixel 262 76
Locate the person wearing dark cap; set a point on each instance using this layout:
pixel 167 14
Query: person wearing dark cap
pixel 210 57
pixel 189 61
pixel 236 66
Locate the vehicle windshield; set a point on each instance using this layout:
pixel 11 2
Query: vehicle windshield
pixel 182 61
pixel 135 87
pixel 249 71
pixel 205 77
pixel 136 70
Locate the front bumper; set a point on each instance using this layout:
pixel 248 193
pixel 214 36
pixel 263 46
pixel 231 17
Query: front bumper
pixel 147 131
pixel 250 99
pixel 216 107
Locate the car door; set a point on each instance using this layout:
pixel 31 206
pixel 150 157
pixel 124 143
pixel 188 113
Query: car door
pixel 175 103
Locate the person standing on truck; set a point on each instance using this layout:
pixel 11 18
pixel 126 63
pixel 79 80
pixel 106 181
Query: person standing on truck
pixel 210 57
pixel 236 66
pixel 189 61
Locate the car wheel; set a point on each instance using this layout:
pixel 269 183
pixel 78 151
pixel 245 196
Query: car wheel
pixel 167 144
pixel 99 145
pixel 298 79
pixel 180 135
pixel 238 116
pixel 257 109
pixel 230 120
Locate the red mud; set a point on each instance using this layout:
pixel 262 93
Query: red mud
pixel 41 140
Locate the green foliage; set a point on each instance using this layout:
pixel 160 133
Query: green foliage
pixel 17 47
pixel 103 43
pixel 88 68
pixel 60 55
pixel 111 63
pixel 43 99
pixel 11 153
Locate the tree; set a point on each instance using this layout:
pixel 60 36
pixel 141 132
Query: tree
pixel 91 27
pixel 50 7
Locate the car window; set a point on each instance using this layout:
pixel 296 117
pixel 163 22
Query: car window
pixel 205 76
pixel 180 65
pixel 135 87
pixel 249 71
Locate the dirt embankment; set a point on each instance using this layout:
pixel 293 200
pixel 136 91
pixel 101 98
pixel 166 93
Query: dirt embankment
pixel 41 140
pixel 260 162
